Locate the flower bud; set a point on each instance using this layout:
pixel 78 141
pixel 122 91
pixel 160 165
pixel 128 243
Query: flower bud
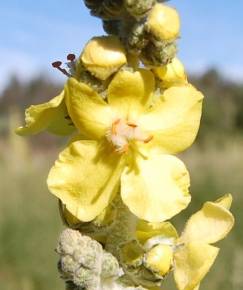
pixel 163 22
pixel 171 74
pixel 102 56
pixel 159 259
pixel 158 53
pixel 137 8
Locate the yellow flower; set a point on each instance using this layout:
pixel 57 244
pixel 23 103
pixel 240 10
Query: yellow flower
pixel 171 74
pixel 163 22
pixel 193 255
pixel 129 145
pixel 51 116
pixel 103 56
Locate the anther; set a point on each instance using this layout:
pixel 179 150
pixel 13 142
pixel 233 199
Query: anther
pixel 147 140
pixel 71 57
pixel 132 125
pixel 57 65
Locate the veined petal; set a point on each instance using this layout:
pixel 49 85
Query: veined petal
pixel 51 116
pixel 192 261
pixel 210 224
pixel 129 92
pixel 89 112
pixel 146 230
pixel 85 178
pixel 156 189
pixel 175 119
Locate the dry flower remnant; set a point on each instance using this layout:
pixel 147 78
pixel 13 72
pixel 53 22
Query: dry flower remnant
pixel 128 108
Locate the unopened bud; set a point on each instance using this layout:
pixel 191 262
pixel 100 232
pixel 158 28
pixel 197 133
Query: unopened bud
pixel 102 56
pixel 159 259
pixel 171 74
pixel 163 22
pixel 159 53
pixel 138 8
pixel 111 26
pixel 136 39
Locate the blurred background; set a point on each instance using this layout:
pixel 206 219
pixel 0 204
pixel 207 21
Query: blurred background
pixel 35 33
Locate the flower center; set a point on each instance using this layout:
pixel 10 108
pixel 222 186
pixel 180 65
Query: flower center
pixel 121 133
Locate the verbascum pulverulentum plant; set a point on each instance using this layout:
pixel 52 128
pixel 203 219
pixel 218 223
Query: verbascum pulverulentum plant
pixel 129 109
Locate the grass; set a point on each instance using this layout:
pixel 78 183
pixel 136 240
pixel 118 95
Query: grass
pixel 29 221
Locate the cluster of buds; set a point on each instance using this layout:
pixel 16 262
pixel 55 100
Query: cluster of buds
pixel 148 29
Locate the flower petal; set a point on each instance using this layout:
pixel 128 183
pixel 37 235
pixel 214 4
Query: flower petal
pixel 210 224
pixel 191 263
pixel 175 119
pixel 50 116
pixel 146 230
pixel 89 112
pixel 129 92
pixel 156 189
pixel 85 178
pixel 225 201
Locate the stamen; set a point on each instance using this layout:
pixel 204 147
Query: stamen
pixel 114 127
pixel 71 57
pixel 122 134
pixel 132 125
pixel 147 140
pixel 57 65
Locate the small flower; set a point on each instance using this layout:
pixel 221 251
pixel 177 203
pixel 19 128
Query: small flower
pixel 171 74
pixel 51 116
pixel 128 144
pixel 102 56
pixel 195 255
pixel 163 22
pixel 191 255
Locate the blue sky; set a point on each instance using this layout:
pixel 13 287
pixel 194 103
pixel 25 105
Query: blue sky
pixel 34 33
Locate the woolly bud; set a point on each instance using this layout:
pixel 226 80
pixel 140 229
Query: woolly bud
pixel 138 8
pixel 83 262
pixel 111 26
pixel 171 74
pixel 136 40
pixel 159 53
pixel 102 56
pixel 163 22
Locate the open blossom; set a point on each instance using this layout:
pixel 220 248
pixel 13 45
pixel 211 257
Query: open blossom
pixel 191 255
pixel 127 143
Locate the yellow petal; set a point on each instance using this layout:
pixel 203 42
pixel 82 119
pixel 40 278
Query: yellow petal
pixel 51 116
pixel 175 119
pixel 89 112
pixel 171 74
pixel 85 178
pixel 210 224
pixel 156 189
pixel 191 263
pixel 146 230
pixel 103 56
pixel 225 201
pixel 129 92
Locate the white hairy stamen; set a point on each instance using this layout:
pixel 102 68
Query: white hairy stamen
pixel 122 132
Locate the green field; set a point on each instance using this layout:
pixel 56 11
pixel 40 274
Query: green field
pixel 29 221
